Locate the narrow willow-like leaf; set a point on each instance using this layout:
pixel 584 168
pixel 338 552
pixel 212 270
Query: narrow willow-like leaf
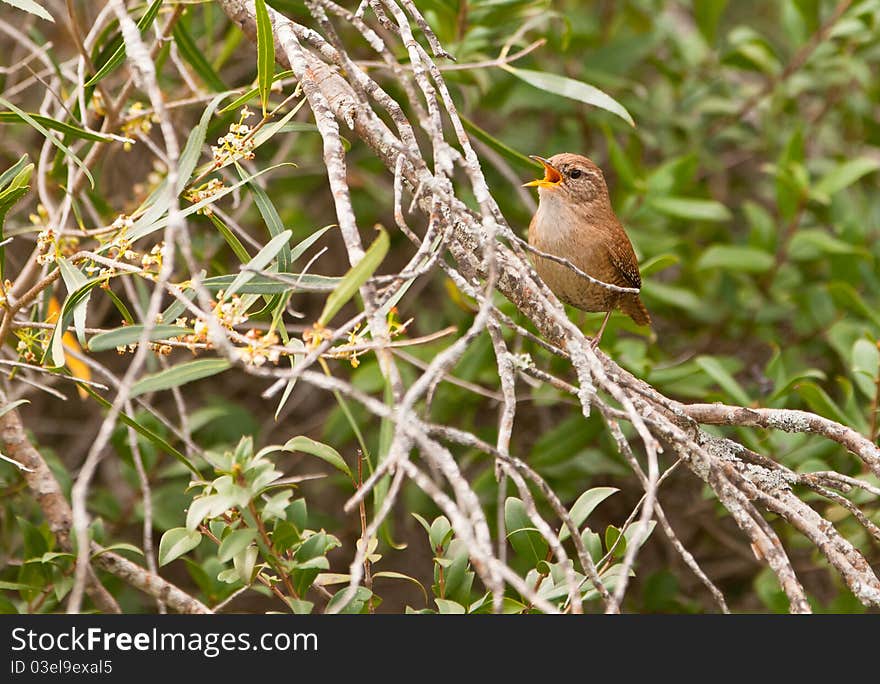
pixel 572 89
pixel 55 124
pixel 266 132
pixel 231 239
pixel 196 59
pixel 189 157
pixel 130 334
pixel 252 93
pixel 73 280
pixel 155 217
pixel 13 171
pixel 178 375
pixel 32 7
pixel 307 242
pixel 502 148
pixel 293 359
pixel 13 186
pixel 265 53
pixel 260 285
pixel 155 439
pixel 119 55
pixel 356 276
pixel 13 405
pixel 51 138
pixel 270 216
pixel 714 369
pixel 262 259
pixel 55 351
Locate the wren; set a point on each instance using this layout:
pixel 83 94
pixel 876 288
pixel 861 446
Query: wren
pixel 575 221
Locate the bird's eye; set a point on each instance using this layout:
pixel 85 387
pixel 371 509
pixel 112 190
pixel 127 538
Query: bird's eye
pixel 574 173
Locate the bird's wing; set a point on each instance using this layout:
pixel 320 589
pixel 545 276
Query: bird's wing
pixel 624 259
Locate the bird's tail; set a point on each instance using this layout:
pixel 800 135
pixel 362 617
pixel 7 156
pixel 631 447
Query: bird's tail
pixel 633 307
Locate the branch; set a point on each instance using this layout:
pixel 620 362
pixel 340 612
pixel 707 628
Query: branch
pixel 59 516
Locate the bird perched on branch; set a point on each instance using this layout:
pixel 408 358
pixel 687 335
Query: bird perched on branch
pixel 575 222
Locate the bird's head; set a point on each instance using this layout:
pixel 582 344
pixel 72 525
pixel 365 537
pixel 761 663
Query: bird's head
pixel 570 178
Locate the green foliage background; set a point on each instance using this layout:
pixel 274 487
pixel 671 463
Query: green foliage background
pixel 749 188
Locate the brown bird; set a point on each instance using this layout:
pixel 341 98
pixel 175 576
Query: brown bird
pixel 575 221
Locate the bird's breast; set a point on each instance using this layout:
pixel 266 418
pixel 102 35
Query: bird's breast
pixel 557 230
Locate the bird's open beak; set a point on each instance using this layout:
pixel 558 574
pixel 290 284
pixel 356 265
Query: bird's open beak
pixel 551 178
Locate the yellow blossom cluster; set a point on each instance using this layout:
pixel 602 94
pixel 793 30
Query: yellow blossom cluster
pixel 238 143
pixel 137 123
pixel 203 192
pixel 259 349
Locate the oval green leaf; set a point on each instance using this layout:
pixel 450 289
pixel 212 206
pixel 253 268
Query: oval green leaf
pixel 176 542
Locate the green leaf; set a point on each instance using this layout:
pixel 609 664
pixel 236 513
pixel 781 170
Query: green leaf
pixel 13 176
pixel 390 574
pixel 819 401
pixel 55 351
pixel 119 55
pixel 262 259
pixel 235 542
pixel 736 258
pixel 178 375
pixel 244 563
pixel 524 538
pixel 6 408
pixel 253 92
pixel 658 263
pixel 586 504
pixel 707 14
pixel 592 543
pixel 265 53
pixel 691 209
pixel 74 280
pixel 572 89
pixel 324 452
pixel 636 531
pixel 155 439
pixel 196 58
pixel 612 537
pixel 447 607
pixel 865 362
pixel 51 138
pixel 32 7
pixel 13 186
pixel 716 370
pixel 812 243
pixel 502 148
pixel 356 276
pixel 189 157
pixel 157 218
pixel 270 216
pixel 305 282
pixel 355 606
pixel 130 334
pixel 843 175
pixel 55 124
pixel 176 542
pixel 231 239
pixel 119 546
